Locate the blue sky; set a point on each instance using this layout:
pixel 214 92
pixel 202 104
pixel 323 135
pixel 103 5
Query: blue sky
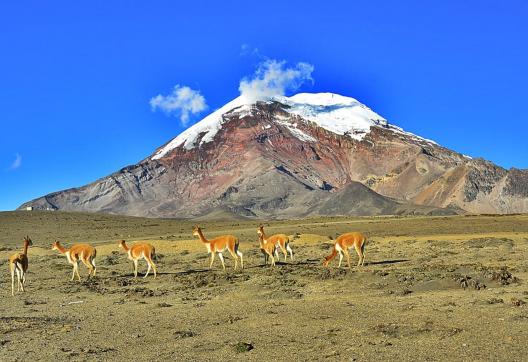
pixel 76 77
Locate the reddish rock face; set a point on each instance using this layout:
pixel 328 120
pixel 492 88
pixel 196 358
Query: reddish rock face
pixel 259 165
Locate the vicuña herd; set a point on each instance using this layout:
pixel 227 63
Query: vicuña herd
pixel 269 246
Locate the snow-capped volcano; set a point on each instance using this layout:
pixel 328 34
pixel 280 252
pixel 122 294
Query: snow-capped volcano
pixel 336 113
pixel 308 154
pixel 333 112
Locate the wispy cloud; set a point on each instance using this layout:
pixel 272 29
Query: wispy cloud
pixel 246 49
pixel 16 163
pixel 275 78
pixel 181 102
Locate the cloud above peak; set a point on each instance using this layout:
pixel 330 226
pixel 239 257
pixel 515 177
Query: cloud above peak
pixel 275 78
pixel 182 102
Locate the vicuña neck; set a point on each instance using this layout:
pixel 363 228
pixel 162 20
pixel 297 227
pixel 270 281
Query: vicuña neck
pixel 202 237
pixel 125 247
pixel 26 244
pixel 61 248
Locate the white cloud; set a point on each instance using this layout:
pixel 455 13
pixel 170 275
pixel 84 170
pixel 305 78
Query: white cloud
pixel 17 162
pixel 274 78
pixel 182 102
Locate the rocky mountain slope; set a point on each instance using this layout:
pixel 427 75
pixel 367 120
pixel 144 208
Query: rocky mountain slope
pixel 310 154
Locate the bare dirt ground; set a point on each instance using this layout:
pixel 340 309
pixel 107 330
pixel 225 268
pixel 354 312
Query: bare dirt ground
pixel 432 289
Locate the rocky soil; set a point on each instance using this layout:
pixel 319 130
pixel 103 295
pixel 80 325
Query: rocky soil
pixel 433 288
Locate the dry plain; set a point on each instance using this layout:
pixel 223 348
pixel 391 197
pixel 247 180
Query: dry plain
pixel 432 289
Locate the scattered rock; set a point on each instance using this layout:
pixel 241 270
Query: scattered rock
pixel 184 334
pixel 164 305
pixel 517 302
pixel 468 282
pixel 390 330
pixel 242 347
pixel 502 276
pixel 112 259
pixel 495 301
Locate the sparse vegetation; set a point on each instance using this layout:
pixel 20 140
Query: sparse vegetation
pixel 429 286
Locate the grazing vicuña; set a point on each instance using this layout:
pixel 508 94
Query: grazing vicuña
pixel 345 242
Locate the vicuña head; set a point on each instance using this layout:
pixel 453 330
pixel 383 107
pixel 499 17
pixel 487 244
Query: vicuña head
pixel 327 259
pixel 28 241
pixel 196 230
pixel 56 246
pixel 260 230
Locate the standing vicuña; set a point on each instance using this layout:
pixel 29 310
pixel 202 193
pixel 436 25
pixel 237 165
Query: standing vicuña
pixel 281 241
pixel 138 251
pixel 268 249
pixel 83 252
pixel 19 263
pixel 219 245
pixel 345 242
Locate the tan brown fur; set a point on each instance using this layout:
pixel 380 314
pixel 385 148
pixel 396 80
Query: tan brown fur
pixel 279 241
pixel 78 252
pixel 268 249
pixel 139 251
pixel 219 245
pixel 345 242
pixel 18 263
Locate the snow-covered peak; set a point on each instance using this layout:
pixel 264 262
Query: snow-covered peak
pixel 322 99
pixel 208 126
pixel 333 112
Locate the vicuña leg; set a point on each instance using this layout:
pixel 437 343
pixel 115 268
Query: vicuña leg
pixel 148 268
pixel 135 268
pixel 19 283
pixel 73 272
pixel 360 255
pixel 222 260
pixel 290 251
pixel 77 270
pixel 153 266
pixel 12 269
pixel 347 254
pixel 212 260
pixel 239 253
pixel 88 266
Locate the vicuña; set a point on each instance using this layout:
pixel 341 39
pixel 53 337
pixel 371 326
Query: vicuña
pixel 19 263
pixel 345 242
pixel 83 252
pixel 140 251
pixel 219 245
pixel 279 241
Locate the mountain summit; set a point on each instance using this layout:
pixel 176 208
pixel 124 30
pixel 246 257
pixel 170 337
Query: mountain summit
pixel 305 155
